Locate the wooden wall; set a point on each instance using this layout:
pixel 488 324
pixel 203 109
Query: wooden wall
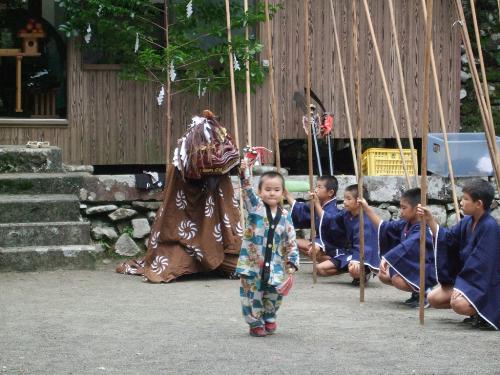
pixel 119 122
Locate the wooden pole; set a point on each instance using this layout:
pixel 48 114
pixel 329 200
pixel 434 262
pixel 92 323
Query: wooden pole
pixel 425 131
pixel 307 74
pixel 231 76
pixel 344 89
pixel 233 98
pixel 168 114
pixel 355 44
pixel 442 122
pixel 386 90
pixel 481 59
pixel 247 82
pixel 403 91
pixel 488 125
pixel 274 110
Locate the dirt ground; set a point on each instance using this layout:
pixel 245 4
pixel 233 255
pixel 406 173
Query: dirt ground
pixel 99 322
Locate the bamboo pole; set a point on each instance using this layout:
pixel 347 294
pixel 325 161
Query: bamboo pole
pixel 233 100
pixel 386 90
pixel 403 91
pixel 274 110
pixel 307 74
pixel 425 131
pixel 481 59
pixel 344 89
pixel 355 44
pixel 231 76
pixel 247 83
pixel 442 122
pixel 168 114
pixel 488 125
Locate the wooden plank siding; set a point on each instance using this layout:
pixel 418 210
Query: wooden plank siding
pixel 119 122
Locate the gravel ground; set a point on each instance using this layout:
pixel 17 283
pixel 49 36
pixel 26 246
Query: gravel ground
pixel 100 322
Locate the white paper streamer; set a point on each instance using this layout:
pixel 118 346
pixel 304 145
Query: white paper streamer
pixel 172 72
pixel 88 36
pixel 236 64
pixel 136 47
pixel 189 9
pixel 161 96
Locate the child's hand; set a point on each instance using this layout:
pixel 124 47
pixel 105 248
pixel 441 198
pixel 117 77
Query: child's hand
pixel 362 202
pixel 424 212
pixel 243 165
pixel 354 267
pixel 313 196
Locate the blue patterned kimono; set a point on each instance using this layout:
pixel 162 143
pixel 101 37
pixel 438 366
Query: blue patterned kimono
pixel 399 246
pixel 301 216
pixel 470 261
pixel 252 251
pixel 343 224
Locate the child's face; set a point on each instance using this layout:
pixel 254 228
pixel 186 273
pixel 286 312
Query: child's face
pixel 469 206
pixel 322 192
pixel 350 202
pixel 406 211
pixel 271 191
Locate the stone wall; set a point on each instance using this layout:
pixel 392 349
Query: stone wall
pixel 121 215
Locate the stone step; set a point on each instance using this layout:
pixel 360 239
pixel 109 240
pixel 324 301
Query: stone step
pixel 41 183
pixel 44 234
pixel 41 258
pixel 39 208
pixel 20 159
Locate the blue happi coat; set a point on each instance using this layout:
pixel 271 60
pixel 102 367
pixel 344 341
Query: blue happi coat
pixel 284 249
pixel 344 224
pixel 399 246
pixel 301 216
pixel 469 259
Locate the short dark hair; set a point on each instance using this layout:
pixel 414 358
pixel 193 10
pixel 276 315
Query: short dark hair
pixel 480 190
pixel 331 182
pixel 271 174
pixel 412 196
pixel 353 189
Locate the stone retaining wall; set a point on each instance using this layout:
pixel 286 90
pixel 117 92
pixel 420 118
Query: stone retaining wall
pixel 121 215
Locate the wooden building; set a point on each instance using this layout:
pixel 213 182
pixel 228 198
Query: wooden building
pixel 111 121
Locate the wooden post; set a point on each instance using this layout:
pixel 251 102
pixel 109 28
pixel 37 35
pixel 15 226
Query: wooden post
pixel 307 74
pixel 386 90
pixel 344 90
pixel 442 122
pixel 274 110
pixel 19 61
pixel 168 114
pixel 355 44
pixel 425 131
pixel 247 83
pixel 403 91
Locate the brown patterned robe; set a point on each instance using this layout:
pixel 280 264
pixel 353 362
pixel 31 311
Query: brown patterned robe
pixel 197 229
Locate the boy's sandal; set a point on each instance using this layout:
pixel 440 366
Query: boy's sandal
pixel 32 144
pixel 44 144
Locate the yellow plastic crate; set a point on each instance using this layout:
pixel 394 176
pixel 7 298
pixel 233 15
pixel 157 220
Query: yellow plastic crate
pixel 386 162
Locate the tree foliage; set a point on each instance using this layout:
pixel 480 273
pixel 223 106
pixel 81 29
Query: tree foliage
pixel 131 33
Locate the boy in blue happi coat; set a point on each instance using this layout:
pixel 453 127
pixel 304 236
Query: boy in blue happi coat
pixel 399 247
pixel 468 259
pixel 346 224
pixel 325 246
pixel 268 253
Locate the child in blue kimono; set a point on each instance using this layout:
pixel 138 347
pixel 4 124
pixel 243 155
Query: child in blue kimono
pixel 468 259
pixel 325 245
pixel 346 224
pixel 268 254
pixel 399 247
